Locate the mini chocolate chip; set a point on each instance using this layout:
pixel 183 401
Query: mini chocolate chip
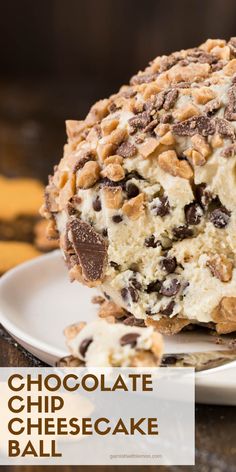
pixel 182 232
pixel 106 296
pixel 97 205
pixel 114 265
pixel 203 196
pixel 170 287
pixel 129 338
pixel 169 264
pixel 154 287
pixel 169 360
pixel 135 283
pixel 130 292
pixel 162 208
pixel 220 217
pixel 132 190
pixel 84 346
pixel 105 232
pixel 168 309
pixel 193 214
pixel 117 218
pixel 151 241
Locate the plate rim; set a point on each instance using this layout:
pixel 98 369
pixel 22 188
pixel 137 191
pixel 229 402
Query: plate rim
pixel 10 326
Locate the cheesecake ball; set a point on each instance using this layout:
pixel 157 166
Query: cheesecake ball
pixel 144 199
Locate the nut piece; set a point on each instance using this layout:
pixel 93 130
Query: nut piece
pixel 186 112
pixel 230 68
pixel 88 175
pixel 110 309
pixel 169 162
pixel 167 326
pixel 113 172
pixel 203 95
pixel 196 157
pixel 71 331
pixel 201 145
pixel 148 147
pixel 113 197
pixel 134 208
pixel 115 159
pixel 221 267
pixel 225 311
pixel 109 125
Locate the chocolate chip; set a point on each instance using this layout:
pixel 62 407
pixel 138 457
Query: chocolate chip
pixel 139 121
pixel 193 214
pixel 203 196
pixel 170 287
pixel 135 283
pixel 169 360
pixel 129 338
pixel 151 241
pixel 182 232
pixel 220 217
pixel 132 190
pixel 117 218
pixel 162 208
pixel 201 124
pixel 168 264
pixel 90 247
pixel 105 232
pixel 154 287
pixel 132 321
pixel 97 205
pixel 105 182
pixel 84 346
pixel 114 265
pixel 126 149
pixel 130 292
pixel 168 309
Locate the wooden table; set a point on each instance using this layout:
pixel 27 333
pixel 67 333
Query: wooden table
pixel 31 139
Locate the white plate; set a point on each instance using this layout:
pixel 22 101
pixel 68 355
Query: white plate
pixel 38 302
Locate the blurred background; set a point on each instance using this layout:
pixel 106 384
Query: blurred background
pixel 59 56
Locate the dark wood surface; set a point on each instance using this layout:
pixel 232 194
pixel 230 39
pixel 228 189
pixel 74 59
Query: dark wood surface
pixel 31 139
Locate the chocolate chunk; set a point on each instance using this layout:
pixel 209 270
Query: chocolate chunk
pixel 224 128
pixel 170 99
pixel 168 309
pixel 132 190
pixel 129 338
pixel 162 208
pixel 126 149
pixel 182 232
pixel 135 282
pixel 193 214
pixel 154 287
pixel 168 264
pixel 220 217
pixel 170 287
pixel 230 110
pixel 201 124
pixel 117 218
pixel 149 128
pixel 97 205
pixel 151 241
pixel 90 248
pixel 139 121
pixel 84 346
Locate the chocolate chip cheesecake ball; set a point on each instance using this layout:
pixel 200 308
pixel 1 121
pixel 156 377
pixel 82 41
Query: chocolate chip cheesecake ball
pixel 144 199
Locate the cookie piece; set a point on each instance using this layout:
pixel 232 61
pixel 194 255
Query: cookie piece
pixel 100 344
pixel 150 175
pixel 13 253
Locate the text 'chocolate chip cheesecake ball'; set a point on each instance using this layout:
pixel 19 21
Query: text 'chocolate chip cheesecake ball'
pixel 144 199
